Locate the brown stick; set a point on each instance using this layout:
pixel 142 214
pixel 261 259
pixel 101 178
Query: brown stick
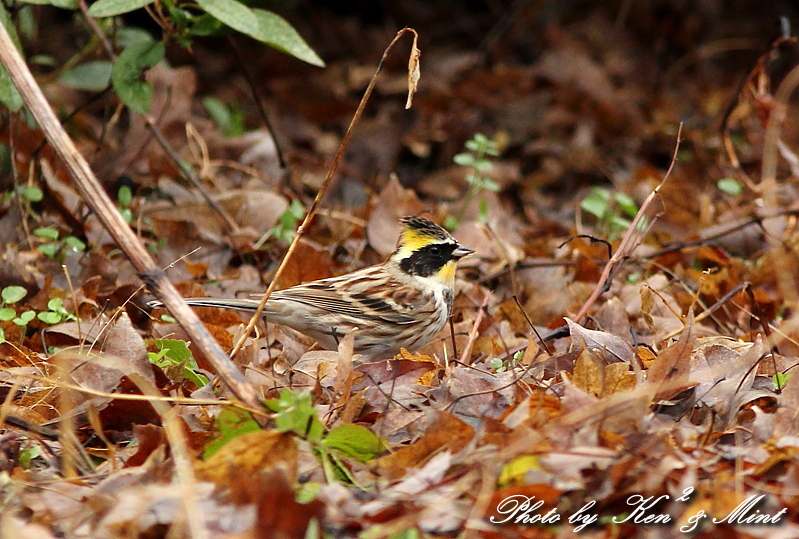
pixel 93 194
pixel 322 190
pixel 630 240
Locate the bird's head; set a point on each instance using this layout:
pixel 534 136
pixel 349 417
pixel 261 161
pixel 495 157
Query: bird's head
pixel 426 250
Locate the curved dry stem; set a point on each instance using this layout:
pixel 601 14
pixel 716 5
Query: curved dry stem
pixel 326 184
pixel 768 185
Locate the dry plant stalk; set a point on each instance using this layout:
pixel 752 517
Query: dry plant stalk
pixel 413 78
pixel 770 193
pixel 630 240
pixel 95 196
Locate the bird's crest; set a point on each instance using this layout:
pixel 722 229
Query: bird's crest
pixel 418 232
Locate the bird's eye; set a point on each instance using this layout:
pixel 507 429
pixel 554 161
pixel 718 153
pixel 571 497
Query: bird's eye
pixel 435 250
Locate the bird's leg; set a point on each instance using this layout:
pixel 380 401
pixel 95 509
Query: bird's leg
pixel 334 332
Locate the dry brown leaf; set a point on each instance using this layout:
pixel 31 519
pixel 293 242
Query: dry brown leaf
pixel 413 70
pixel 279 514
pixel 308 263
pixel 601 341
pixel 601 380
pixel 446 432
pixel 669 373
pixel 251 453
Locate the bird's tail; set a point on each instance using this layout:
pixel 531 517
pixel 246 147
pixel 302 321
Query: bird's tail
pixel 249 305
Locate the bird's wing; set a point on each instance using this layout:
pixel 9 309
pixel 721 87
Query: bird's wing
pixel 368 294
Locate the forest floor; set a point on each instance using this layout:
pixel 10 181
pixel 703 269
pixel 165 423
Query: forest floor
pixel 622 342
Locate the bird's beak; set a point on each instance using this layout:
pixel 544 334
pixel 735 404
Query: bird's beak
pixel 461 251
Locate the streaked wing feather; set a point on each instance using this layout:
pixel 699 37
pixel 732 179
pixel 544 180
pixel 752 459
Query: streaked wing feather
pixel 370 292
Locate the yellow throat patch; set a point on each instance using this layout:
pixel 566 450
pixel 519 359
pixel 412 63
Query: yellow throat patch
pixel 447 272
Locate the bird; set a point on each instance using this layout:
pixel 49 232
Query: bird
pixel 403 302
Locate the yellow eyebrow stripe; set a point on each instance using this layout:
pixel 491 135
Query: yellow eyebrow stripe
pixel 412 240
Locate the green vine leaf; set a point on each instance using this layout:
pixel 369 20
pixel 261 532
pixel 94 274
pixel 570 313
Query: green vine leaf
pixel 126 74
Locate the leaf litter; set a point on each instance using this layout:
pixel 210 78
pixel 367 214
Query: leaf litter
pixel 675 387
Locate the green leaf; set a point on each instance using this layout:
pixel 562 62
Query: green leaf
pixel 780 379
pixel 175 358
pixel 9 96
pixel 489 185
pixel 410 533
pixel 730 186
pixel 91 76
pixel 27 22
pixel 25 317
pixel 463 159
pixel 199 380
pixel 296 413
pixel 480 139
pixel 56 304
pixel 231 422
pixel 276 32
pixel 110 8
pixel 48 249
pixel 175 350
pixel 620 222
pixel 313 529
pixel 27 455
pixel 601 192
pixel 75 243
pixel 495 363
pixel 31 193
pixel 130 35
pixel 7 313
pixel 626 203
pixel 180 17
pixel 307 492
pixel 482 211
pixel 296 209
pixel 12 294
pixel 126 74
pixel 230 119
pixel 483 165
pixel 2 336
pixel 125 196
pixel 354 440
pixel 63 4
pixel 206 25
pixel 233 13
pixel 47 232
pixel 49 317
pixel 218 111
pixel 595 204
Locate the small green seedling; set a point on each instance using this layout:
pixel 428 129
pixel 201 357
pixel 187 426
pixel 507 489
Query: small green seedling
pixel 614 211
pixel 286 228
pixel 57 248
pixel 177 361
pixel 480 151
